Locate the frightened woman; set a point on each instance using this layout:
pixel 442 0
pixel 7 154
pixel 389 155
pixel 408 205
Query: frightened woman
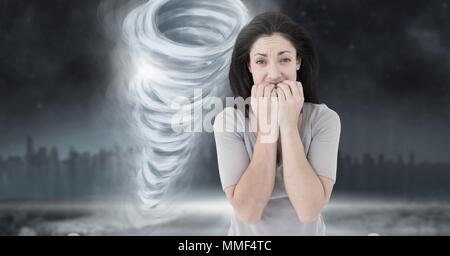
pixel 279 173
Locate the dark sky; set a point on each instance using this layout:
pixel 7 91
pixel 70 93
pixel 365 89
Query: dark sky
pixel 55 71
pixel 384 69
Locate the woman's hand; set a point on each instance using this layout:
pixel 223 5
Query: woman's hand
pixel 264 103
pixel 290 101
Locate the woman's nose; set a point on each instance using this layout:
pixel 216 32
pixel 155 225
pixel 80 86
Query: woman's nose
pixel 273 73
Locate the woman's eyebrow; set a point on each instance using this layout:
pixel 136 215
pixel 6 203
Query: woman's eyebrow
pixel 262 54
pixel 265 55
pixel 283 52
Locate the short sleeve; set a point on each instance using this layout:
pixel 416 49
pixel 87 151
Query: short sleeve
pixel 323 150
pixel 232 156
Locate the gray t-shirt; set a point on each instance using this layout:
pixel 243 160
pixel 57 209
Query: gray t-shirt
pixel 319 132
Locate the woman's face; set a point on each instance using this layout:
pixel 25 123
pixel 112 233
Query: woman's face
pixel 273 60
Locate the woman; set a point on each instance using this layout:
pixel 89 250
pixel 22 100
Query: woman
pixel 279 175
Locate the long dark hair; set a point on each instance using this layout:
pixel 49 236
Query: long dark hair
pixel 267 24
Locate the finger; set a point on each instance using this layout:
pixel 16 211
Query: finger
pixel 300 89
pixel 274 97
pixel 286 89
pixel 268 90
pixel 274 107
pixel 253 100
pixel 267 93
pixel 260 94
pixel 281 95
pixel 274 93
pixel 259 90
pixel 294 87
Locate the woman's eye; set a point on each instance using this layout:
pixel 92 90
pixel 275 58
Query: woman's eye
pixel 260 62
pixel 286 60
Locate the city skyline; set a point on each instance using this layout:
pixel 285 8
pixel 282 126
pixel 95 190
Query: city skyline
pixel 42 174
